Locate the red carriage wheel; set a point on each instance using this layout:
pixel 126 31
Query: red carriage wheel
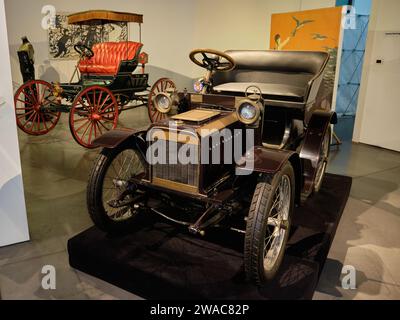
pixel 33 110
pixel 161 85
pixel 93 113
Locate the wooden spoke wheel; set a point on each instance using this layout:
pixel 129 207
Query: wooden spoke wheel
pixel 161 85
pixel 93 113
pixel 32 108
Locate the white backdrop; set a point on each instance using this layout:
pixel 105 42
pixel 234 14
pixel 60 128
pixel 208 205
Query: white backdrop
pixel 171 30
pixel 13 220
pixel 380 124
pixel 378 114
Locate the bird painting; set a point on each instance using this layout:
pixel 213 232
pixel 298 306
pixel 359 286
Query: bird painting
pixel 321 37
pixel 300 25
pixel 279 44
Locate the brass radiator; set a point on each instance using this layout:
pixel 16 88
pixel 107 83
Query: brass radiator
pixel 177 176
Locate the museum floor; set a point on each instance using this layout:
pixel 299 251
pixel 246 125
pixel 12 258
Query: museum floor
pixel 55 172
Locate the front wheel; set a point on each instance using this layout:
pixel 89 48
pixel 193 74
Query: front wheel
pixel 268 226
pixel 93 113
pixel 112 198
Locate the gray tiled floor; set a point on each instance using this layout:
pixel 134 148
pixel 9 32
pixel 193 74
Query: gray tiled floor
pixel 368 237
pixel 55 172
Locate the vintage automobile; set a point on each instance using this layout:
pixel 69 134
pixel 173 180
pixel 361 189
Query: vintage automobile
pixel 106 84
pixel 268 98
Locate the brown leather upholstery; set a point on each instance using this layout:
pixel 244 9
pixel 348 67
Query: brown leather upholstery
pixel 281 75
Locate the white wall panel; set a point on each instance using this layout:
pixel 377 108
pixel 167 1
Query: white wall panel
pixel 171 28
pixel 378 112
pixel 13 220
pixel 167 33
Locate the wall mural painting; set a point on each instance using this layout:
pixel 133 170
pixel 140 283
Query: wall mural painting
pixel 311 30
pixel 63 36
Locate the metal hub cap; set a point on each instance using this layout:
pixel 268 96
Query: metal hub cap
pixel 116 182
pixel 96 117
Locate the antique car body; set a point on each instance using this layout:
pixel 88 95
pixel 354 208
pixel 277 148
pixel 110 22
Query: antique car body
pixel 106 84
pixel 272 97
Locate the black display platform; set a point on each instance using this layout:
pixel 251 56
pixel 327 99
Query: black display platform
pixel 162 261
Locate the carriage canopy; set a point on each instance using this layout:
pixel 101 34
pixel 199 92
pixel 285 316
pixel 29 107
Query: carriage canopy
pixel 103 17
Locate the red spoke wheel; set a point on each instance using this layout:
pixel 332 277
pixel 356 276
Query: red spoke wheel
pixel 93 113
pixel 161 85
pixel 32 104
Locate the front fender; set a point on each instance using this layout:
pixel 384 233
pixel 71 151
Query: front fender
pixel 270 161
pixel 263 160
pixel 114 138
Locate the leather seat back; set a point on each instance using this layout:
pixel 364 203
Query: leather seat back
pixel 108 57
pixel 295 68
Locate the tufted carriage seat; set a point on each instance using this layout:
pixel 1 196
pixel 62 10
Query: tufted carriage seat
pixel 109 55
pixel 293 76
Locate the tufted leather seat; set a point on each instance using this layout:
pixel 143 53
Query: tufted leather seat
pixel 108 57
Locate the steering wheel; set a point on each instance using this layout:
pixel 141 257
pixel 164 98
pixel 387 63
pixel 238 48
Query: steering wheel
pixel 212 60
pixel 254 93
pixel 84 51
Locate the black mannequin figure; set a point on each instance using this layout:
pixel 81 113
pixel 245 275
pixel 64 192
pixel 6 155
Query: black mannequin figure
pixel 27 65
pixel 26 55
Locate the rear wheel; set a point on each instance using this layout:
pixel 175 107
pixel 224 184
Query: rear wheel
pixel 323 160
pixel 93 113
pixel 268 226
pixel 111 197
pixel 32 108
pixel 162 85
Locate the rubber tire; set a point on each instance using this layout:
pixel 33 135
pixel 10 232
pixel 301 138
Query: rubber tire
pixel 257 227
pixel 94 192
pixel 317 188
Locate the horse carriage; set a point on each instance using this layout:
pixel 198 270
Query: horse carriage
pixel 107 84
